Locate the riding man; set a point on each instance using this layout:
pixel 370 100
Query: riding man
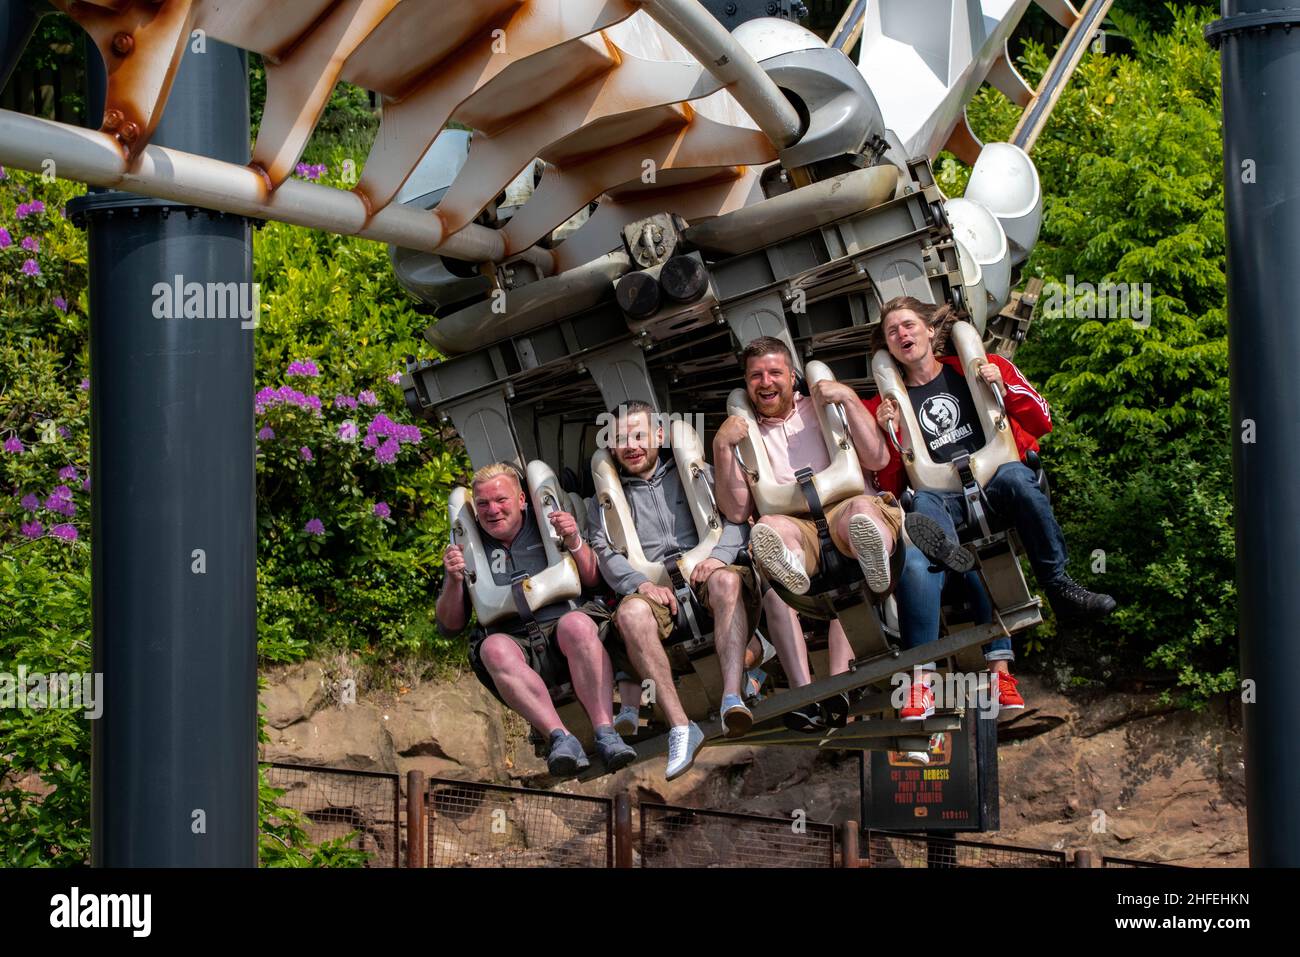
pixel 507 661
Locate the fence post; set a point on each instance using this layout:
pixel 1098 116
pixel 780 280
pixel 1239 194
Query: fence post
pixel 417 837
pixel 622 831
pixel 1083 858
pixel 849 845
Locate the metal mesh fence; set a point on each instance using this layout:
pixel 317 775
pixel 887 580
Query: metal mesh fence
pixel 888 849
pixel 487 825
pixel 1131 862
pixel 686 837
pixel 338 802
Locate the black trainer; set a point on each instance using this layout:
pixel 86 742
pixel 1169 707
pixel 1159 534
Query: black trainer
pixel 928 536
pixel 1071 600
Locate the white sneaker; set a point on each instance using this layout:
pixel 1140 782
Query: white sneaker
pixel 683 744
pixel 777 560
pixel 869 545
pixel 628 721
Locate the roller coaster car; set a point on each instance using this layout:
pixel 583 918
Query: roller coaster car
pixel 985 532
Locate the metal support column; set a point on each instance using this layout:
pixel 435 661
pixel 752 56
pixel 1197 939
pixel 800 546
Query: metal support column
pixel 1260 51
pixel 174 756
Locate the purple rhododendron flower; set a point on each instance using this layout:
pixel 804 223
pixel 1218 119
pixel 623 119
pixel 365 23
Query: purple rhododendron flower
pixel 85 385
pixel 286 395
pixel 306 454
pixel 348 431
pixel 68 472
pixel 314 527
pixel 31 244
pixel 33 529
pixel 23 210
pixel 382 510
pixel 15 445
pixel 60 304
pixel 30 502
pixel 30 268
pixel 395 378
pixel 5 239
pixel 66 532
pixel 86 484
pixel 367 397
pixel 63 432
pixel 344 402
pixel 3 174
pixel 265 434
pixel 311 171
pixel 61 505
pixel 62 491
pixel 387 451
pixel 304 367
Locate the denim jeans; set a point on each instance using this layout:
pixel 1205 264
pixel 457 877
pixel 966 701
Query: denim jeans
pixel 1012 492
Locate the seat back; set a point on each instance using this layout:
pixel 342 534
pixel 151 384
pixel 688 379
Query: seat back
pixel 1000 443
pixel 840 480
pixel 559 582
pixel 688 453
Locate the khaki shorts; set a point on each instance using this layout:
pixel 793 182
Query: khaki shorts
pixel 890 511
pixel 750 601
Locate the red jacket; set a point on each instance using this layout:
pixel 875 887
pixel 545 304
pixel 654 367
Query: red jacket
pixel 1030 419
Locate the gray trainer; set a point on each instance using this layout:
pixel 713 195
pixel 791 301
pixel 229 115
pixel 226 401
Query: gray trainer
pixel 736 718
pixel 628 721
pixel 613 750
pixel 566 757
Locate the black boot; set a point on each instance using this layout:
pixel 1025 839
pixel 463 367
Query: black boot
pixel 1071 600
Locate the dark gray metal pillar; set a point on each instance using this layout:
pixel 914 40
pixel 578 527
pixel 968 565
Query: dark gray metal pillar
pixel 17 23
pixel 1260 50
pixel 174 756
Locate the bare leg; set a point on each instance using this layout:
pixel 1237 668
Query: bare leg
pixel 729 634
pixel 629 694
pixel 636 623
pixel 522 688
pixel 589 666
pixel 786 635
pixel 838 648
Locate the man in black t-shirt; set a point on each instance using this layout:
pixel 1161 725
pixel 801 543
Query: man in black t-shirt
pixel 949 421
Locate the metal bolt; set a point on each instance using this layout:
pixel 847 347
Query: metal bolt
pixel 129 132
pixel 659 250
pixel 112 119
pixel 123 43
pixel 731 9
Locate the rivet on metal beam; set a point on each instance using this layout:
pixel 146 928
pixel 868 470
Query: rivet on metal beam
pixel 123 43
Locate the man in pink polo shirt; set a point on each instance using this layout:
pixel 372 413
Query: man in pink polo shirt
pixel 865 527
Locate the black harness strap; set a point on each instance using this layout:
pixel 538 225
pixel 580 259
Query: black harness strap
pixel 685 594
pixel 536 637
pixel 976 511
pixel 832 563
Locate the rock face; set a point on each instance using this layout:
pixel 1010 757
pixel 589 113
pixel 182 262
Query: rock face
pixel 1118 774
pixel 445 730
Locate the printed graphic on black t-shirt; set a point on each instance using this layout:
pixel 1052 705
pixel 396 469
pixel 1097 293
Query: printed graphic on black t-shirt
pixel 950 426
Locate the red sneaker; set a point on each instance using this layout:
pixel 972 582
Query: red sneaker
pixel 1004 688
pixel 920 703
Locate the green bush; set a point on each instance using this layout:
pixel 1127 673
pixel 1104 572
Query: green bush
pixel 1132 166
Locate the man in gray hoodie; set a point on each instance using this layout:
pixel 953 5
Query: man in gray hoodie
pixel 647 614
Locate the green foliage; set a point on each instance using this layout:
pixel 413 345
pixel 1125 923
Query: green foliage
pixel 1132 168
pixel 366 583
pixel 44 752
